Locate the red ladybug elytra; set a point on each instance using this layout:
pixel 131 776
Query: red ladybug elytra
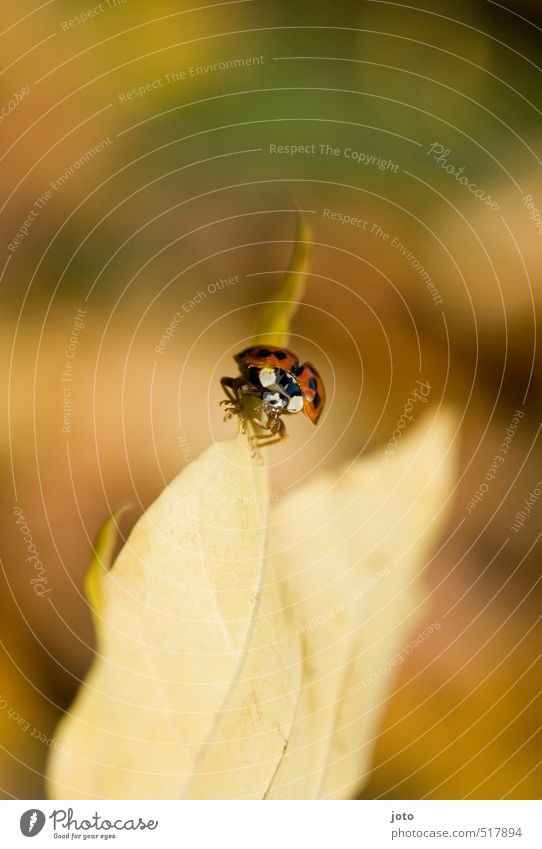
pixel 283 385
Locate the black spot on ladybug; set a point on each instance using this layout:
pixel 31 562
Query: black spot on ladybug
pixel 280 355
pixel 316 401
pixel 263 352
pixel 312 383
pixel 254 375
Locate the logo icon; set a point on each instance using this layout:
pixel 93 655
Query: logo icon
pixel 32 822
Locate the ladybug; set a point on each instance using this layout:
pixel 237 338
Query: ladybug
pixel 282 385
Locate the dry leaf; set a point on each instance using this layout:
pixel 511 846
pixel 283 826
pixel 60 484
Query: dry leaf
pixel 177 617
pixel 210 684
pixel 351 571
pixel 241 660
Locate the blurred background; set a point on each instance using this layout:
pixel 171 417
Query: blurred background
pixel 150 157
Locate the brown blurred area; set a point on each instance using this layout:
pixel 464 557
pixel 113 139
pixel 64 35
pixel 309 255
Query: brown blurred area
pixel 185 193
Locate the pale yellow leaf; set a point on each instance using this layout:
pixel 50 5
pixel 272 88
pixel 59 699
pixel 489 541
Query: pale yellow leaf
pixel 178 615
pixel 251 738
pixel 216 681
pixel 353 572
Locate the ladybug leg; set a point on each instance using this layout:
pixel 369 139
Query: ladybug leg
pixel 235 389
pixel 253 420
pixel 242 390
pixel 255 417
pixel 272 440
pixel 229 386
pixel 277 432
